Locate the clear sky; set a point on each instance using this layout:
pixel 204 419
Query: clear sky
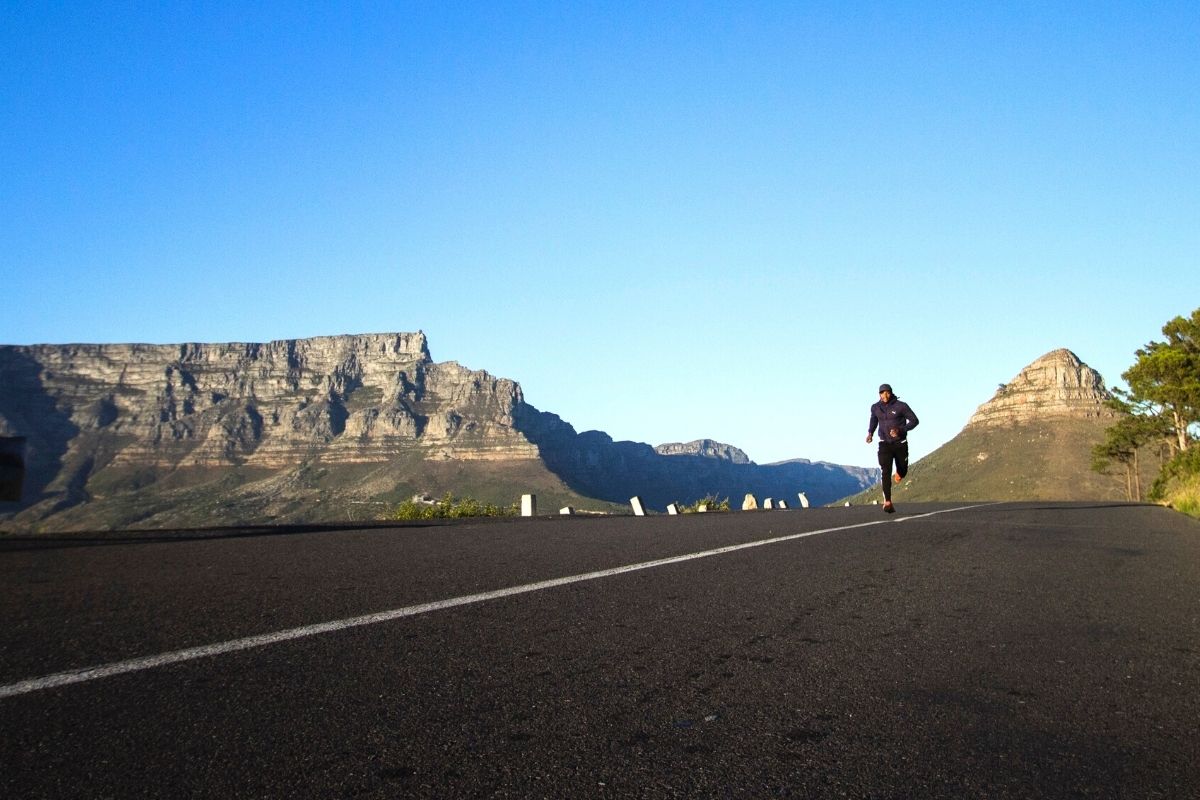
pixel 666 221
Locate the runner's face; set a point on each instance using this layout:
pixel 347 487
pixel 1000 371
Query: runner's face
pixel 885 397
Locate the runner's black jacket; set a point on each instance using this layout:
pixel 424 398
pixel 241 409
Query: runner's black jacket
pixel 894 416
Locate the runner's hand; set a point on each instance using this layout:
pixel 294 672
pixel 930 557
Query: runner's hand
pixel 869 437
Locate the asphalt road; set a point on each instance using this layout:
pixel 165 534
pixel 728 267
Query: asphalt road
pixel 1017 650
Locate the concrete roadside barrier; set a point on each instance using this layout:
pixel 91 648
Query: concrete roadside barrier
pixel 528 505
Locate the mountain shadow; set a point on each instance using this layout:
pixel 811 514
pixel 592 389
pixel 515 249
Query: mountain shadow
pixel 594 465
pixel 28 410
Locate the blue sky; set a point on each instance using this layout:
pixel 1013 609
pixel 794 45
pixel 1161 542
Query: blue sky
pixel 665 221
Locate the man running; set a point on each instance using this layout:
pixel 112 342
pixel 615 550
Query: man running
pixel 894 419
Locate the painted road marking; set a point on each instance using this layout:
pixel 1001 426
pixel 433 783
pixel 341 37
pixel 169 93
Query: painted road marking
pixel 262 640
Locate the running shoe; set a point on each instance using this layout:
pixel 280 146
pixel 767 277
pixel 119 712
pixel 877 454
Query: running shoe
pixel 888 508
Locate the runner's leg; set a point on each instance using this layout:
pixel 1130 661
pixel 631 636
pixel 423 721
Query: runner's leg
pixel 885 464
pixel 902 459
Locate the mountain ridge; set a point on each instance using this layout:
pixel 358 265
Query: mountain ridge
pixel 124 434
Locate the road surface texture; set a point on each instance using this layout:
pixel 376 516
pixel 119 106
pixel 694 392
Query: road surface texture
pixel 999 651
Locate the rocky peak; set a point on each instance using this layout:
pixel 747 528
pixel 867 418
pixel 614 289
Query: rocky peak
pixel 1056 385
pixel 706 448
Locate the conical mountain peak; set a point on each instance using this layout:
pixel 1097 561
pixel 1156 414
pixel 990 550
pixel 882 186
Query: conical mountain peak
pixel 1032 441
pixel 1058 384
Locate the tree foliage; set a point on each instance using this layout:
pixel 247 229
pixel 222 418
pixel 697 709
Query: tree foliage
pixel 1124 442
pixel 1165 379
pixel 1160 408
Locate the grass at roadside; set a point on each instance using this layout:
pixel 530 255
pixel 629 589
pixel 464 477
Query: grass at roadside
pixel 450 507
pixel 710 503
pixel 1184 496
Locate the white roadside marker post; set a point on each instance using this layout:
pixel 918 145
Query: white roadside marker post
pixel 638 509
pixel 673 509
pixel 803 500
pixel 528 505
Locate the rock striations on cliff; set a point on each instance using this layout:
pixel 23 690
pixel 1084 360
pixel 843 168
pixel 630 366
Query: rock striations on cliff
pixel 297 430
pixel 1056 385
pixel 704 447
pixel 350 398
pixel 1031 441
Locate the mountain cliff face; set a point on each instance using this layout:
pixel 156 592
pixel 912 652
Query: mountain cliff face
pixel 350 398
pixel 303 429
pixel 1031 441
pixel 703 447
pixel 1056 385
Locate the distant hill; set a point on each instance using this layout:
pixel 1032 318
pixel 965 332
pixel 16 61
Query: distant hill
pixel 592 464
pixel 1031 441
pixel 703 447
pixel 332 428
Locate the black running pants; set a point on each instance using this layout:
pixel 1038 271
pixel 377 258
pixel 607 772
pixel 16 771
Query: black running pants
pixel 892 452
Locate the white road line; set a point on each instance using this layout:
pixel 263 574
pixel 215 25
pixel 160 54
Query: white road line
pixel 220 648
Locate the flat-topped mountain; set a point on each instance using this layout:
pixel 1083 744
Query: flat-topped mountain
pixel 326 428
pixel 1031 441
pixel 352 398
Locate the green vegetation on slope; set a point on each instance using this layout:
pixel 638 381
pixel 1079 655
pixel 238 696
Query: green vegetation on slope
pixel 450 507
pixel 314 491
pixel 1178 485
pixel 1033 461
